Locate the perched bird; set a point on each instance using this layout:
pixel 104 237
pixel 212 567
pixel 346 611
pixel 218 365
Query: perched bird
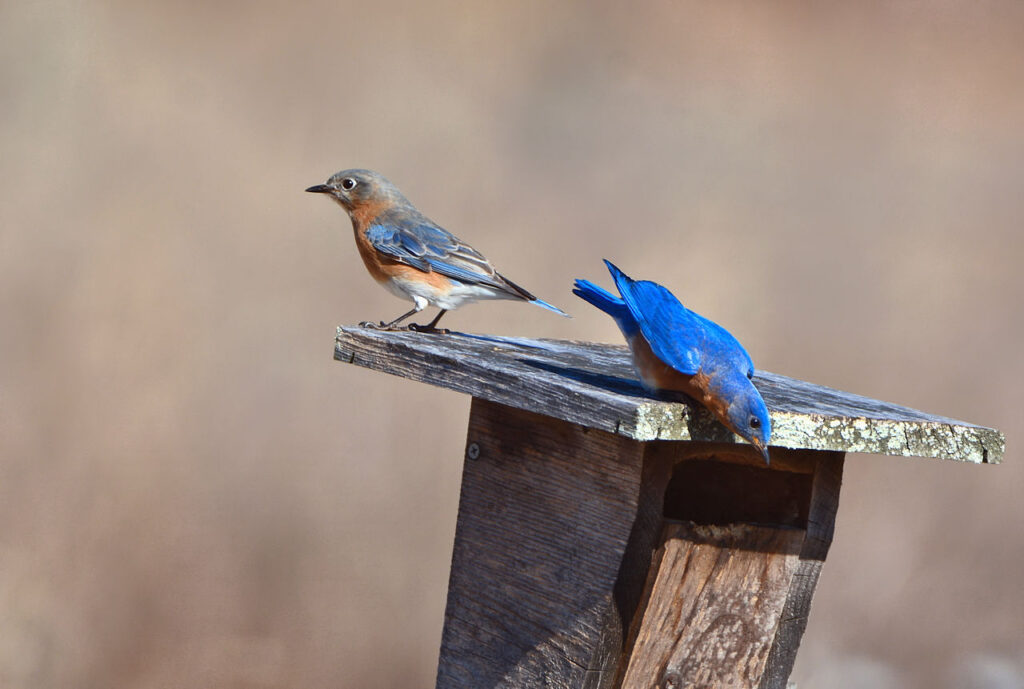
pixel 676 349
pixel 411 255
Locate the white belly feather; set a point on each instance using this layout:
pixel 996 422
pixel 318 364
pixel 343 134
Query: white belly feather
pixel 460 293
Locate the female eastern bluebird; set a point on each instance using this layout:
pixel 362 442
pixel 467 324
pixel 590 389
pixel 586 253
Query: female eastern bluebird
pixel 676 349
pixel 411 255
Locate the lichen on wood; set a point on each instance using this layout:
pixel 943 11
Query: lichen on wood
pixel 594 385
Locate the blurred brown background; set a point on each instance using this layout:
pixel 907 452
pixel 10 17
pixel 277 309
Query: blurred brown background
pixel 193 494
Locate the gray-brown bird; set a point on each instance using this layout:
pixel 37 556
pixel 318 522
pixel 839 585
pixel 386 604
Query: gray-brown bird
pixel 412 256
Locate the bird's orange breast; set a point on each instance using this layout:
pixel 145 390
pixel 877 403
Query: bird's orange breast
pixel 656 373
pixel 380 267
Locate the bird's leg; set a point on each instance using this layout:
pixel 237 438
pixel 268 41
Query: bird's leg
pixel 389 326
pixel 429 327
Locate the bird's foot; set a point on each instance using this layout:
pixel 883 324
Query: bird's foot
pixel 417 328
pixel 380 326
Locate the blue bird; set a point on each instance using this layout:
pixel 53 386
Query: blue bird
pixel 676 349
pixel 412 256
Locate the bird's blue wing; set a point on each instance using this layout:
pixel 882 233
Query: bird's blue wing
pixel 427 247
pixel 411 238
pixel 671 330
pixel 681 338
pixel 728 345
pixel 399 245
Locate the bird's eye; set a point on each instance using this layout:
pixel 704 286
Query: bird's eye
pixel 348 184
pixel 755 422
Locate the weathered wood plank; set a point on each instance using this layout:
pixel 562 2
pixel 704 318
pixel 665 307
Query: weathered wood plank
pixel 594 385
pixel 546 516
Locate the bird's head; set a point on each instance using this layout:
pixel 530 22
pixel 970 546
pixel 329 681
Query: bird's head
pixel 355 189
pixel 748 416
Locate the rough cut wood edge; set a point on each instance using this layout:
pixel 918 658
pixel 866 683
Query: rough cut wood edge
pixel 821 520
pixel 717 594
pixel 593 385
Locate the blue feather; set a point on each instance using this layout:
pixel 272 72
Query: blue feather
pixel 459 273
pixel 607 302
pixel 427 248
pixel 431 248
pixel 669 327
pixel 549 307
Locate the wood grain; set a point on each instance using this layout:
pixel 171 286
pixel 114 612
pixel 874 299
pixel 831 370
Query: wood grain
pixel 717 595
pixel 552 583
pixel 727 520
pixel 821 518
pixel 594 385
pixel 546 516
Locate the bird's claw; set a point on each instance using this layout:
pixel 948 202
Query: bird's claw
pixel 417 328
pixel 380 326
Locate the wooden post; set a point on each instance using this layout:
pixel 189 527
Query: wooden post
pixel 545 517
pixel 606 539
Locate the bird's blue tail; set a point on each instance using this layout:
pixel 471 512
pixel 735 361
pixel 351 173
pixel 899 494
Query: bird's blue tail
pixel 607 302
pixel 599 297
pixel 549 307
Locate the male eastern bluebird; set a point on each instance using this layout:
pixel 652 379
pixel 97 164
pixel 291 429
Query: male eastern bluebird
pixel 412 256
pixel 676 349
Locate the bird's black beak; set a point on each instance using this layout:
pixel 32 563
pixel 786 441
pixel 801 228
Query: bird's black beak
pixel 321 189
pixel 764 451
